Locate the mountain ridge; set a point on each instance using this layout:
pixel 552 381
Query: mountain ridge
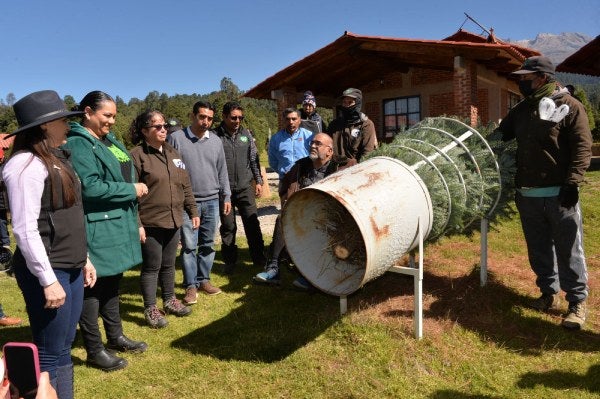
pixel 557 47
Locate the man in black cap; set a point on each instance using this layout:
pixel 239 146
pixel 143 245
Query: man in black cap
pixel 353 133
pixel 553 153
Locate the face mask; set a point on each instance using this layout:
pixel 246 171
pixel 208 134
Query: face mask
pixel 525 87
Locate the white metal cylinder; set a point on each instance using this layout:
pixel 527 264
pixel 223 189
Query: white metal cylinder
pixel 377 204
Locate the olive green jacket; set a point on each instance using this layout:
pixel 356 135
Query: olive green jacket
pixel 109 203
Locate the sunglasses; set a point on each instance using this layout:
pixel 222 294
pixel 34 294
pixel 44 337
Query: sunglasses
pixel 236 118
pixel 158 127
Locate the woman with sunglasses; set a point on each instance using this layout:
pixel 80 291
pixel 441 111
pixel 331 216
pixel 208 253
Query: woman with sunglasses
pixel 50 263
pixel 110 196
pixel 159 166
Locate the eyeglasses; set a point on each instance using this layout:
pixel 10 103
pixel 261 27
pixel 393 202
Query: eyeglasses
pixel 158 127
pixel 317 144
pixel 236 118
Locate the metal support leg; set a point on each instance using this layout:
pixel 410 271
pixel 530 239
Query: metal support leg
pixel 343 304
pixel 416 270
pixel 484 252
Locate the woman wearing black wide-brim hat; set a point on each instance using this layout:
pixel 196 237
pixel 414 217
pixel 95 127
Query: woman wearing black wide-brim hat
pixel 50 262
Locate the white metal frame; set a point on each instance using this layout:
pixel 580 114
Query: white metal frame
pixel 416 271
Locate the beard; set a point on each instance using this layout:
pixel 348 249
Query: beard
pixel 313 156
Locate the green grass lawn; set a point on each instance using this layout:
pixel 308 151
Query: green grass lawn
pixel 262 342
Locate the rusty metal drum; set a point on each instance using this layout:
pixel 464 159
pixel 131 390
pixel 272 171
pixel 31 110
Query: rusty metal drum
pixel 352 226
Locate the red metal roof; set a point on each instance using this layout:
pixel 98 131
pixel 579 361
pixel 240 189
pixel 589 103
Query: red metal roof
pixel 585 61
pixel 354 60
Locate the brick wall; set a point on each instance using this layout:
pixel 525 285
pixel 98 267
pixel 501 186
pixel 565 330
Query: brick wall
pixel 483 105
pixel 373 111
pixel 390 81
pixel 421 76
pixel 441 104
pixel 465 92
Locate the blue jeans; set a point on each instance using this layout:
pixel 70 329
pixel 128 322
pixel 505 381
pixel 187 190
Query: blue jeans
pixel 53 330
pixel 197 251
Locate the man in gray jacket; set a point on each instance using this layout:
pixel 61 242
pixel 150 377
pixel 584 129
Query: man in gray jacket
pixel 203 157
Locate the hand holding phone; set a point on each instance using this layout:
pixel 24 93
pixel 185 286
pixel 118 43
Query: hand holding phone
pixel 22 367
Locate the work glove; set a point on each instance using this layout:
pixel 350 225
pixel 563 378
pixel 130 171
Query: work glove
pixel 568 195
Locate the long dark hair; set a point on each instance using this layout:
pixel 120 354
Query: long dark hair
pixel 34 141
pixel 141 121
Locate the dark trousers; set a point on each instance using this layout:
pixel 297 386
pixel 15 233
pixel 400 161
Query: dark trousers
pixel 4 237
pixel 554 237
pixel 53 330
pixel 278 244
pixel 159 253
pixel 245 202
pixel 101 300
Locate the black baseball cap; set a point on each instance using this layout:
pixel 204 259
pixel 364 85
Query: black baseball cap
pixel 536 64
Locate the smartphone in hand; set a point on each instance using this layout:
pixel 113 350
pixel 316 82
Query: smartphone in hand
pixel 22 367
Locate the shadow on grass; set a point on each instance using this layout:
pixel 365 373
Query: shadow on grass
pixel 270 324
pixel 452 394
pixel 494 311
pixel 564 380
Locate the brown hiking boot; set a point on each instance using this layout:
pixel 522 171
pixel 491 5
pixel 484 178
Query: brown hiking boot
pixel 174 306
pixel 575 317
pixel 155 317
pixel 191 295
pixel 545 303
pixel 209 289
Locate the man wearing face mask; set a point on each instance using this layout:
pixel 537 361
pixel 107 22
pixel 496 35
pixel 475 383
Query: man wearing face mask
pixel 353 133
pixel 553 153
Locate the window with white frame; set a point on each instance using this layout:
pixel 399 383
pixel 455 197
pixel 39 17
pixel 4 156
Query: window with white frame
pixel 400 113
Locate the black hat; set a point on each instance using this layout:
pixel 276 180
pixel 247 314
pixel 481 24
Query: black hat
pixel 40 107
pixel 352 92
pixel 536 64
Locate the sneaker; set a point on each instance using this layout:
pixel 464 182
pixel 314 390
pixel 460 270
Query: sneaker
pixel 302 283
pixel 5 258
pixel 174 306
pixel 191 296
pixel 575 317
pixel 545 302
pixel 155 317
pixel 271 276
pixel 209 289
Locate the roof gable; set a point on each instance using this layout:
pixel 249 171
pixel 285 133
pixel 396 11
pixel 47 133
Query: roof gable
pixel 354 60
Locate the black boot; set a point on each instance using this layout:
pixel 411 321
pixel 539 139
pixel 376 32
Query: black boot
pixel 106 361
pixel 124 344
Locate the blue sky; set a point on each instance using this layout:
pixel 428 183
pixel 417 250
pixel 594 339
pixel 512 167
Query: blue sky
pixel 129 47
